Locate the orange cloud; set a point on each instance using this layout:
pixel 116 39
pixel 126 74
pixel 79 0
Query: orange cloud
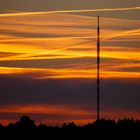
pixel 70 11
pixel 68 114
pixel 65 73
pixel 57 36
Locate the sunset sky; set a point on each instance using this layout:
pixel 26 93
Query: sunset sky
pixel 48 60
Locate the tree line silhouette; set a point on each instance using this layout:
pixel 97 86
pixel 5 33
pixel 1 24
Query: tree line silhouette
pixel 102 129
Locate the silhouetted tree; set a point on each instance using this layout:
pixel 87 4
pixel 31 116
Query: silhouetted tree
pixel 102 129
pixel 25 122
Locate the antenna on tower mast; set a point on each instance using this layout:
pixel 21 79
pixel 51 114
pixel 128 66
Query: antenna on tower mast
pixel 98 69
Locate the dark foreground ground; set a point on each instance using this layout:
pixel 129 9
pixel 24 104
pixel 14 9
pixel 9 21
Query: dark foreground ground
pixel 25 129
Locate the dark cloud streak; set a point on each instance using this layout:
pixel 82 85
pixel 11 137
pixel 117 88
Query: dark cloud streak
pixel 117 94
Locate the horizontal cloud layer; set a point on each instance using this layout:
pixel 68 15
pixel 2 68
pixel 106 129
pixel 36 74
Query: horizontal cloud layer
pixel 48 66
pixel 70 98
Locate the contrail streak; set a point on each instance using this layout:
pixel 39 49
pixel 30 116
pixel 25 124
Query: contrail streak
pixel 68 11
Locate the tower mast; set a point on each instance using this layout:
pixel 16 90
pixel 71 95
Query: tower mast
pixel 98 70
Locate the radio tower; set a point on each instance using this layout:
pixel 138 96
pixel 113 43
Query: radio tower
pixel 98 70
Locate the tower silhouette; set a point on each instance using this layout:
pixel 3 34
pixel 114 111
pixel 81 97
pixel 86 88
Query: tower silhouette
pixel 98 69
